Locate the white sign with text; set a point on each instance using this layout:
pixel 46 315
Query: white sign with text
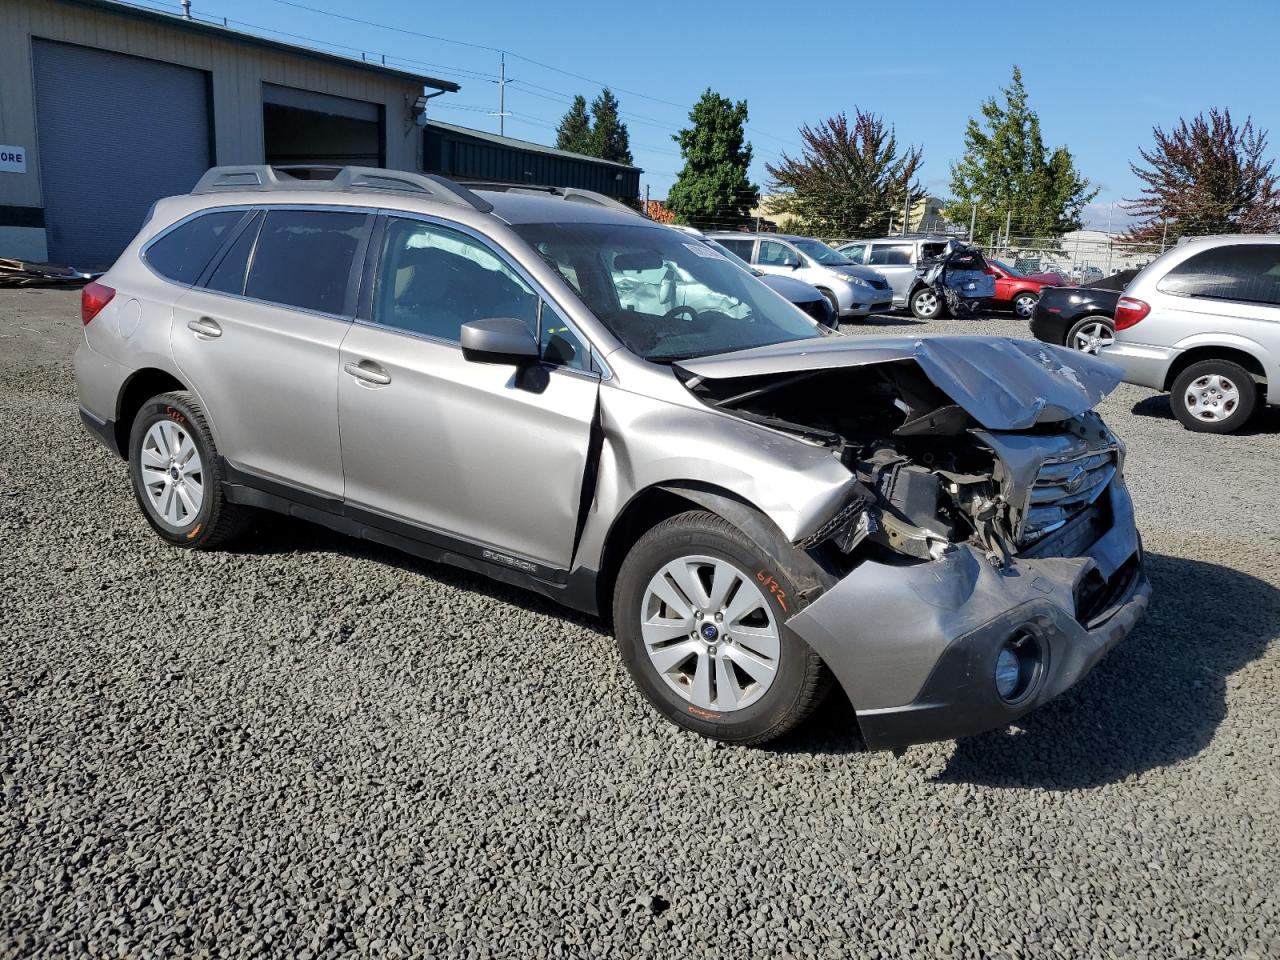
pixel 13 159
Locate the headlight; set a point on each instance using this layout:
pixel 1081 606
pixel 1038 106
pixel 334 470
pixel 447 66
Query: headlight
pixel 858 282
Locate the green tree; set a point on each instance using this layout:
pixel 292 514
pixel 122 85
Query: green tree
pixel 574 132
pixel 609 138
pixel 1007 173
pixel 712 188
pixel 1207 176
pixel 848 180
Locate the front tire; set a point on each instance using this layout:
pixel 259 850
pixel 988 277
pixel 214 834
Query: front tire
pixel 1024 305
pixel 835 307
pixel 700 614
pixel 1213 396
pixel 177 476
pixel 926 304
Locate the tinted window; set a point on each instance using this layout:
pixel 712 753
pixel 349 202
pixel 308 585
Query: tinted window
pixel 303 258
pixel 741 247
pixel 890 255
pixel 1250 273
pixel 182 254
pixel 432 280
pixel 228 276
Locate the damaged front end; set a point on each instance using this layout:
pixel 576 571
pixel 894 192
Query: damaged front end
pixel 989 520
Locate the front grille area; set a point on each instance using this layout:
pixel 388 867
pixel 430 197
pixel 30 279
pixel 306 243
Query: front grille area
pixel 1096 598
pixel 1064 488
pixel 879 284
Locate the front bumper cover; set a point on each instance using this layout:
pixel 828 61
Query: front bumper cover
pixel 915 645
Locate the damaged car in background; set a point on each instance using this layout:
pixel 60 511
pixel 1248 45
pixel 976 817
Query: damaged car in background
pixel 559 394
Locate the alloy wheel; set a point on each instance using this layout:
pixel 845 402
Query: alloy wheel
pixel 1212 398
pixel 172 473
pixel 1093 336
pixel 1024 305
pixel 710 634
pixel 926 302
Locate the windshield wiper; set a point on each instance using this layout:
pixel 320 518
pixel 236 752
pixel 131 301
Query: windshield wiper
pixel 669 357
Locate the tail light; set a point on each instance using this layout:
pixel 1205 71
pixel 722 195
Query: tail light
pixel 1129 311
pixel 93 297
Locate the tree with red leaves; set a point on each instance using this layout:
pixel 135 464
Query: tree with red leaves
pixel 849 178
pixel 1206 176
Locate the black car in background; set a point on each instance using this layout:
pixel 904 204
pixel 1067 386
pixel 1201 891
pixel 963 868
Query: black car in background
pixel 1082 318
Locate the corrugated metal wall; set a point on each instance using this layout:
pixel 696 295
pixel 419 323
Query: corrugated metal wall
pixel 456 155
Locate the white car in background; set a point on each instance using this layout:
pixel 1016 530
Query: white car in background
pixel 1203 322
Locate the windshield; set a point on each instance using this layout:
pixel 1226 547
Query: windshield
pixel 1005 267
pixel 819 251
pixel 666 296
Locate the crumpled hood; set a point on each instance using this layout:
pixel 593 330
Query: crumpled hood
pixel 1004 384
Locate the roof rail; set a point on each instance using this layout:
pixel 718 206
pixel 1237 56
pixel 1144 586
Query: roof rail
pixel 571 194
pixel 264 178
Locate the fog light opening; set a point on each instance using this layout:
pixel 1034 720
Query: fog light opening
pixel 1017 667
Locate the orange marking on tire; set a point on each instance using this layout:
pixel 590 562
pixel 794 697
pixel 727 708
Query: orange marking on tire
pixel 196 532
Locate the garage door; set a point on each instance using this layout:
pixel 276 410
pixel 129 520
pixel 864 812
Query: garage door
pixel 115 133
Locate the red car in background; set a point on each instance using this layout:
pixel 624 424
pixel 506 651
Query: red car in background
pixel 1017 291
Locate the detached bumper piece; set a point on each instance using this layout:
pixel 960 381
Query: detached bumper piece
pixel 954 647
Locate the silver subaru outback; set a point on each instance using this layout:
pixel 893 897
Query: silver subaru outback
pixel 543 386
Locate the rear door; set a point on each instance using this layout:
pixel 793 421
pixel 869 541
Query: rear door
pixel 895 260
pixel 479 453
pixel 258 341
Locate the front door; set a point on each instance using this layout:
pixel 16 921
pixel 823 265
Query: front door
pixel 258 341
pixel 484 453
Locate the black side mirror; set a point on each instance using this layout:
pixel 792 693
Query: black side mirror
pixel 498 340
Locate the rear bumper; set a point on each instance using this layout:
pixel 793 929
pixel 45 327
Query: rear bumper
pixel 1144 364
pixel 104 431
pixel 915 646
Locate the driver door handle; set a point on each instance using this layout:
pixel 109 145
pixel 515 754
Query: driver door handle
pixel 204 327
pixel 369 372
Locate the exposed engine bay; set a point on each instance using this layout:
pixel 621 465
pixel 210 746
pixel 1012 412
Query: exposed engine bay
pixel 936 467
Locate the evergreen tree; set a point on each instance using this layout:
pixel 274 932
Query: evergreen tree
pixel 712 188
pixel 1007 173
pixel 609 139
pixel 849 179
pixel 1208 176
pixel 574 132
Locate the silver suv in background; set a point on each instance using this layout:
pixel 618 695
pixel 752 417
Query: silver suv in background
pixel 854 291
pixel 570 398
pixel 898 259
pixel 1202 321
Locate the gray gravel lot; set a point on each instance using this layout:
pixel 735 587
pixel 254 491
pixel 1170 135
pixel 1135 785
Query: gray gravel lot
pixel 309 745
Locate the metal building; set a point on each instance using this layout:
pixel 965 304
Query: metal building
pixel 467 154
pixel 105 107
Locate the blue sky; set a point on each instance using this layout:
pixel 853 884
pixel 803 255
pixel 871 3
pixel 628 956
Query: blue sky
pixel 1100 74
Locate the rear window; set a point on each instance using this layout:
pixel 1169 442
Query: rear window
pixel 890 255
pixel 182 254
pixel 303 258
pixel 741 247
pixel 1249 273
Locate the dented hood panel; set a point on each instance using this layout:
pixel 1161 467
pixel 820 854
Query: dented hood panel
pixel 1004 384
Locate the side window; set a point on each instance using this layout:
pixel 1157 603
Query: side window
pixel 432 280
pixel 1245 272
pixel 228 276
pixel 560 345
pixel 182 254
pixel 929 251
pixel 741 247
pixel 775 254
pixel 303 258
pixel 890 255
pixel 855 252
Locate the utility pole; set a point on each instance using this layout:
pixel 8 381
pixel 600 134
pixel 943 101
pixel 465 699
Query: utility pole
pixel 973 220
pixel 502 93
pixel 646 201
pixel 1008 222
pixel 906 210
pixel 1110 243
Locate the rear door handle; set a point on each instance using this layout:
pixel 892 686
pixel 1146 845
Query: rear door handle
pixel 204 327
pixel 368 371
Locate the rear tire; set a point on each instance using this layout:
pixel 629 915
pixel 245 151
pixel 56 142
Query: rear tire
pixel 700 613
pixel 177 476
pixel 926 304
pixel 1214 396
pixel 1091 333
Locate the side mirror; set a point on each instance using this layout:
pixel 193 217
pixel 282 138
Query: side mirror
pixel 498 340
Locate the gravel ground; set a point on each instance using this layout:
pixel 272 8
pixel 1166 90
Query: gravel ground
pixel 309 745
